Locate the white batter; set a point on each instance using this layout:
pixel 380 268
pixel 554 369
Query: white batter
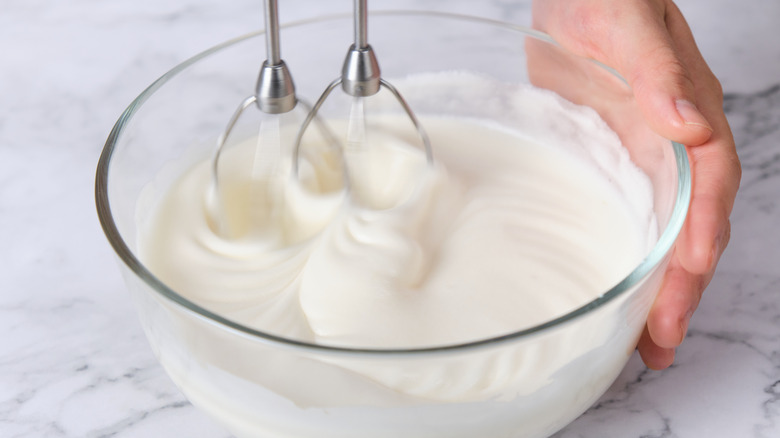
pixel 505 232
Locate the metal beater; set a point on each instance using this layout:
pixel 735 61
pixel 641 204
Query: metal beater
pixel 275 90
pixel 275 95
pixel 360 78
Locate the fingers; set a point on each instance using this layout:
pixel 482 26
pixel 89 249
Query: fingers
pixel 653 356
pixel 717 172
pixel 667 322
pixel 715 163
pixel 705 235
pixel 707 230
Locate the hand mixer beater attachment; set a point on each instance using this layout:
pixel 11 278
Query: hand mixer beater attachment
pixel 275 90
pixel 360 77
pixel 274 96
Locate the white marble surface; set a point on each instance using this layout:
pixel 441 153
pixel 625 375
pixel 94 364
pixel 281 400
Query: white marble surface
pixel 73 359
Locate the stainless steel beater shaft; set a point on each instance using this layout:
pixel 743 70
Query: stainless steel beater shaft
pixel 275 91
pixel 361 77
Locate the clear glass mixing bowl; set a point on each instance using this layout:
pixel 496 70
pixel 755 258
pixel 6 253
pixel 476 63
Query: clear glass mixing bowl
pixel 261 385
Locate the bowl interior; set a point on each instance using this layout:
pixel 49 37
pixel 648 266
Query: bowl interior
pixel 234 370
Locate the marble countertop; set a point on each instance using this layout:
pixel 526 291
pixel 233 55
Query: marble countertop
pixel 73 359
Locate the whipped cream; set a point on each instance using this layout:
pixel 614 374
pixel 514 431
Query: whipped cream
pixel 513 225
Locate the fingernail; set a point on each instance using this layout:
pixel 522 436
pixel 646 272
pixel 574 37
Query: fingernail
pixel 691 115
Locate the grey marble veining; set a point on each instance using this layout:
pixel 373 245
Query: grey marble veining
pixel 73 359
pixel 755 122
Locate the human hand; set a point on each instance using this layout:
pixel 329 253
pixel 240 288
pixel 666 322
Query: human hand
pixel 650 44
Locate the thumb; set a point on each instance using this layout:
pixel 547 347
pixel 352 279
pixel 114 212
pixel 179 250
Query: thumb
pixel 662 85
pixel 632 36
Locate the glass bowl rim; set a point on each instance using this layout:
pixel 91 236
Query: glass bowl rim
pixel 655 256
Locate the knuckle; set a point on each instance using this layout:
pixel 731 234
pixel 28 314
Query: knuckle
pixel 712 87
pixel 726 237
pixel 660 64
pixel 717 88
